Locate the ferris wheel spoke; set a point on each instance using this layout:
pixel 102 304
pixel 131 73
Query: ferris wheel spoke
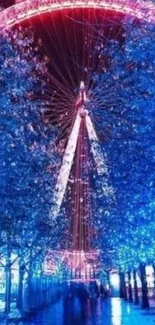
pixel 65 169
pixel 95 148
pixel 100 160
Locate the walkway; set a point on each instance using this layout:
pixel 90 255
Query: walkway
pixel 102 312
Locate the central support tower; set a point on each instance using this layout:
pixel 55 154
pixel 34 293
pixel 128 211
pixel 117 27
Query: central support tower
pixel 82 267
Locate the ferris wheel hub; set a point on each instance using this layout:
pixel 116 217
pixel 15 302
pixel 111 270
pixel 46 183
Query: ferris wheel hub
pixel 83 112
pixel 81 99
pixel 82 85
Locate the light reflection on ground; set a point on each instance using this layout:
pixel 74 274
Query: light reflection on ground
pixel 94 312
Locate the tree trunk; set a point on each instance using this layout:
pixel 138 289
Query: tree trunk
pixel 40 290
pixel 47 289
pixel 8 282
pixel 130 287
pixel 30 291
pixel 136 297
pixel 122 285
pixel 20 287
pixel 145 301
pixel 153 280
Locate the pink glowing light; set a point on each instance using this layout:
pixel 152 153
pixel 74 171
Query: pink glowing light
pixel 81 265
pixel 23 10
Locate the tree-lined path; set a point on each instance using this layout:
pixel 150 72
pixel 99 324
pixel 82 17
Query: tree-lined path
pixel 108 312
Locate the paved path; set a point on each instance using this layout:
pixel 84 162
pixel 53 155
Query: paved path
pixel 102 312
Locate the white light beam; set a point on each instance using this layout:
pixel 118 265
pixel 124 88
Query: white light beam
pixel 65 168
pixel 100 159
pixel 95 147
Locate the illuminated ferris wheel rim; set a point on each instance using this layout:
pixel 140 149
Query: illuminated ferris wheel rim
pixel 30 8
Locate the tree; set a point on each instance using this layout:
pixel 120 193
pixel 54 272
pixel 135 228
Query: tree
pixel 27 151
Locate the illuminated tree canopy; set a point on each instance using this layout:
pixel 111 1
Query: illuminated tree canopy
pixel 124 111
pixel 27 145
